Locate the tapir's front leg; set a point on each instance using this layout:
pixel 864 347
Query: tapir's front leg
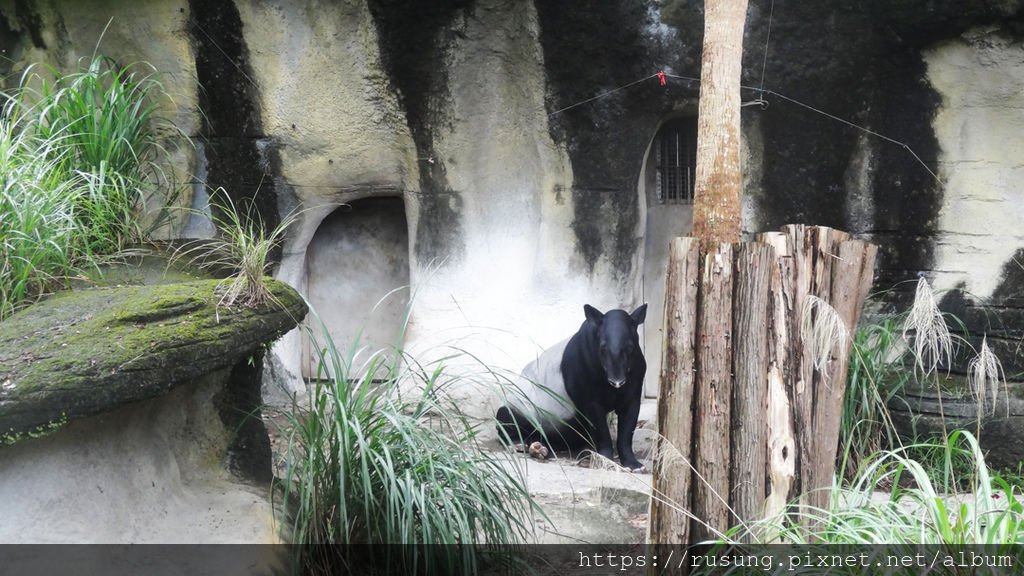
pixel 627 417
pixel 598 425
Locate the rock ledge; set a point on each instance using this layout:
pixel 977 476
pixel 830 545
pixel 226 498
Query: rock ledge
pixel 80 353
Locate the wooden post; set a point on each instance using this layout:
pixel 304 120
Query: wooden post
pixel 671 483
pixel 713 393
pixel 801 361
pixel 782 454
pixel 851 273
pixel 754 264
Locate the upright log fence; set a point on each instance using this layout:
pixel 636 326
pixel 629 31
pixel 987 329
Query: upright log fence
pixel 749 407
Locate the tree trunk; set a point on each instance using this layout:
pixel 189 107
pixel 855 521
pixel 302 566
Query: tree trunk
pixel 718 179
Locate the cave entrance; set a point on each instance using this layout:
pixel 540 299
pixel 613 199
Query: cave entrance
pixel 357 278
pixel 666 185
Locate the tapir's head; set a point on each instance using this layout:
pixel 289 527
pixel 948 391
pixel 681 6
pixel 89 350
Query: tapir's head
pixel 617 340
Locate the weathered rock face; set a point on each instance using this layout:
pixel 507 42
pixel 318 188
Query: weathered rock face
pixel 149 472
pixel 518 136
pixel 997 423
pixel 980 243
pixel 148 403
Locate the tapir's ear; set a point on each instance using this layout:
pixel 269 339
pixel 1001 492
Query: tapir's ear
pixel 639 315
pixel 593 314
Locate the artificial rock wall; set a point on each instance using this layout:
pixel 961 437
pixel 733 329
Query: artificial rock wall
pixel 524 198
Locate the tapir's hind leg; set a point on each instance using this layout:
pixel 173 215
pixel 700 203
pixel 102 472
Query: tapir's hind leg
pixel 572 435
pixel 514 428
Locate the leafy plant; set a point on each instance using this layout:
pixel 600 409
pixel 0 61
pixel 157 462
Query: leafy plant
pixel 990 513
pixel 859 518
pixel 39 234
pixel 104 112
pixel 370 464
pixel 950 467
pixel 898 350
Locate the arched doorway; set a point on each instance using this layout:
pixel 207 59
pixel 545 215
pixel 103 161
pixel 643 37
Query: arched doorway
pixel 666 183
pixel 355 262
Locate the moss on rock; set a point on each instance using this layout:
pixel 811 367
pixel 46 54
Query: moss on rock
pixel 79 353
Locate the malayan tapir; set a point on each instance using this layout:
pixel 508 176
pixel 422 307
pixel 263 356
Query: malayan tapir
pixel 565 395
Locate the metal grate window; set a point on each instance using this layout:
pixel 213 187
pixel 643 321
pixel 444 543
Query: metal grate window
pixel 676 146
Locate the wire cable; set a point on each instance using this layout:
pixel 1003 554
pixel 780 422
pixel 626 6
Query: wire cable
pixel 604 94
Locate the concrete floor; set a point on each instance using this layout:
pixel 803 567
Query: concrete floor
pixel 585 505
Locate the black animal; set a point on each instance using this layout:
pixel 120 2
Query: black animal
pixel 600 369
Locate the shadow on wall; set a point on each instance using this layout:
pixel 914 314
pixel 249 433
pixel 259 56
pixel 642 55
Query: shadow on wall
pixel 358 256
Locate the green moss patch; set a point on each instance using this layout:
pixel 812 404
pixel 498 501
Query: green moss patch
pixel 83 352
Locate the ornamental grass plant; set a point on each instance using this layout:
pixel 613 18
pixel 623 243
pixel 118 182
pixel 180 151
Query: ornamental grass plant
pixel 242 249
pixel 385 472
pixel 40 239
pixel 81 156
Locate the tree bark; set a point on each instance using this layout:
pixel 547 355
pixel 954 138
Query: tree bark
pixel 852 272
pixel 672 479
pixel 713 394
pixel 782 454
pixel 754 264
pixel 718 179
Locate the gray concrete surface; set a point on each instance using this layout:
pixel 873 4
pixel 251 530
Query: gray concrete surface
pixel 584 505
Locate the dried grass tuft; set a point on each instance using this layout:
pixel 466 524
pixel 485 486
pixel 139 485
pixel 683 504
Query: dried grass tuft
pixel 984 376
pixel 823 330
pixel 926 332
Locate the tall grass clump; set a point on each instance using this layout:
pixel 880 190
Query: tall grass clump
pixel 39 241
pixel 988 513
pixel 898 349
pixel 82 154
pixel 876 375
pixel 105 112
pixel 988 518
pixel 106 118
pixel 369 464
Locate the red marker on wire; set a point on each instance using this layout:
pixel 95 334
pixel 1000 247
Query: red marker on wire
pixel 661 77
